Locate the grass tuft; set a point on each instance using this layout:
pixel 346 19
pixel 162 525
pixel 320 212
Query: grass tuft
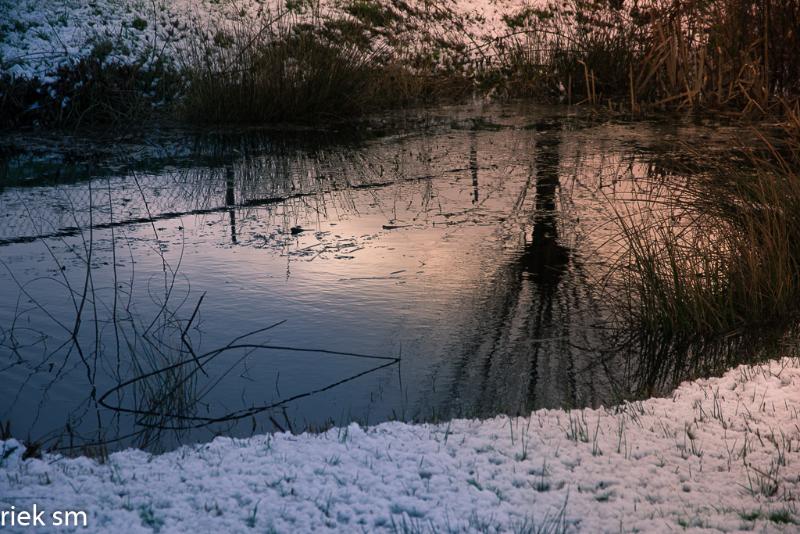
pixel 717 256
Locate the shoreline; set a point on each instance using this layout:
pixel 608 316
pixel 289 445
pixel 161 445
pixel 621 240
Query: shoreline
pixel 720 453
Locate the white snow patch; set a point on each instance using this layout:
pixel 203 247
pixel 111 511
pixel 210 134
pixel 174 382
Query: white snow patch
pixel 37 37
pixel 719 454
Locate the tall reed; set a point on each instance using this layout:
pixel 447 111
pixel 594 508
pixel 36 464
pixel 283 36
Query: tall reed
pixel 292 66
pixel 722 255
pixel 738 54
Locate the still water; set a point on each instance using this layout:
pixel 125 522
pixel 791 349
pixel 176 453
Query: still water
pixel 166 287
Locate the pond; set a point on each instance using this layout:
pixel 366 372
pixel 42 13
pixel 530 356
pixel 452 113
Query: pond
pixel 165 287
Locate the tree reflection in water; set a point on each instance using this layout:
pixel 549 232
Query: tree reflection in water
pixel 525 351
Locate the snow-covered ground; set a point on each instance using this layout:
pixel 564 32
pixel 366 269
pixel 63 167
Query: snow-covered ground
pixel 39 36
pixel 719 454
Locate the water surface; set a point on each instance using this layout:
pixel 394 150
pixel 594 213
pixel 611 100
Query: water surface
pixel 452 267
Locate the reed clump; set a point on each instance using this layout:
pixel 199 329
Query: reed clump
pixel 93 90
pixel 737 54
pixel 305 60
pixel 296 65
pixel 722 255
pixel 295 77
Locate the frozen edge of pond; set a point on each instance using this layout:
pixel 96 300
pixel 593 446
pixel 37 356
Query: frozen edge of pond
pixel 720 453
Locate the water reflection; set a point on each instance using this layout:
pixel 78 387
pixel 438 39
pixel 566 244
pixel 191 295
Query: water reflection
pixel 230 200
pixel 522 352
pixel 473 165
pixel 468 253
pixel 544 258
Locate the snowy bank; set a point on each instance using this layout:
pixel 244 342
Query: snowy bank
pixel 38 37
pixel 112 61
pixel 719 454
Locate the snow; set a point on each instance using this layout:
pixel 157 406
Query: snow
pixel 719 454
pixel 37 37
pixel 40 36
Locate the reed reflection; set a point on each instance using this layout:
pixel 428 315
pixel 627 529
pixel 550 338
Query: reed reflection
pixel 524 353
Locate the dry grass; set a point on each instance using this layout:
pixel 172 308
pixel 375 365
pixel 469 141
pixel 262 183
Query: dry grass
pixel 292 67
pixel 736 54
pixel 296 63
pixel 93 91
pixel 722 254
